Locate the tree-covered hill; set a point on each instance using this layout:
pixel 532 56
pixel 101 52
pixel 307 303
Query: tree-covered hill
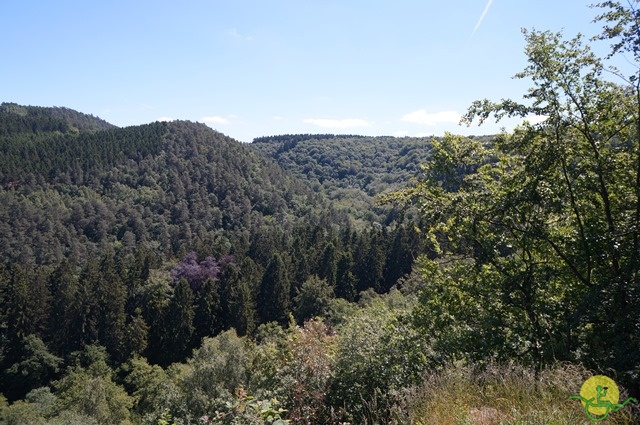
pixel 146 239
pixel 68 192
pixel 350 170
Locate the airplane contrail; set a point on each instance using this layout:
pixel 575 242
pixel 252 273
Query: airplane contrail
pixel 484 13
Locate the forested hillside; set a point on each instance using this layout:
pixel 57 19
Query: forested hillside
pixel 351 170
pixel 166 274
pixel 144 240
pixel 155 185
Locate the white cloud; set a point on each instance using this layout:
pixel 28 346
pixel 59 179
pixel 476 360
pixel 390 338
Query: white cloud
pixel 214 119
pixel 421 116
pixel 536 119
pixel 344 123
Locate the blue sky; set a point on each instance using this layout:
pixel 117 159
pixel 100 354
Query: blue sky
pixel 253 68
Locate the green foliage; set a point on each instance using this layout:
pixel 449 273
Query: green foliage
pixel 537 232
pixel 312 299
pixel 274 299
pixel 240 308
pixel 32 119
pixel 351 170
pixel 77 194
pixel 339 311
pixel 378 353
pixel 307 374
pixel 178 323
pixel 136 334
pixel 25 299
pixel 91 391
pixel 150 387
pixel 42 399
pixel 92 218
pixel 528 247
pixel 208 311
pixel 246 410
pixel 36 367
pixel 211 376
pixel 20 413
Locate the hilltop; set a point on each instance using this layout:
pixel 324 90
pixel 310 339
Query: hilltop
pixel 15 119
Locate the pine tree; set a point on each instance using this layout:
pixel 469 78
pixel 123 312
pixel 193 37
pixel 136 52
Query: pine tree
pixel 400 256
pixel 208 310
pixel 64 332
pixel 274 303
pixel 25 305
pixel 328 268
pixel 111 294
pixel 240 308
pixel 178 328
pixel 346 282
pixel 136 335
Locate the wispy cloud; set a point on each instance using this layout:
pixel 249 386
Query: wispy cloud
pixel 214 119
pixel 233 33
pixel 484 13
pixel 344 123
pixel 423 117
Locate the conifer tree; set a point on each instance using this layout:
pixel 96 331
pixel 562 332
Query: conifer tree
pixel 240 305
pixel 208 310
pixel 275 298
pixel 178 324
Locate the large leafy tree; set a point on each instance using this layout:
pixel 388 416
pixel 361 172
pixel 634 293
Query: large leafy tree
pixel 91 391
pixel 539 232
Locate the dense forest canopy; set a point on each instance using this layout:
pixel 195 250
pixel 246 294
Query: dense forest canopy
pixel 167 274
pixel 352 170
pixel 144 240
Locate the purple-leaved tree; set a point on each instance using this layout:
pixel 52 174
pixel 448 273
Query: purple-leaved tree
pixel 196 273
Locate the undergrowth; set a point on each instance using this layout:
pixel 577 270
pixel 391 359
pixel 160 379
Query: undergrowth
pixel 502 395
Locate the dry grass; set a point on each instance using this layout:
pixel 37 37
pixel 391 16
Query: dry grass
pixel 501 395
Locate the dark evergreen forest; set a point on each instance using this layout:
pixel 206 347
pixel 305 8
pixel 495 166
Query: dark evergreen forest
pixel 144 240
